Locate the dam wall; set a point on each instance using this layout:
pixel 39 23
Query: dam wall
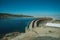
pixel 34 23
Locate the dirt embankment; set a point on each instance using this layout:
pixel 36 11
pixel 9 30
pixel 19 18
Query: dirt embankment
pixel 39 33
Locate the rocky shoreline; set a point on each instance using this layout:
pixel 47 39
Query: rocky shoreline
pixel 42 32
pixel 10 35
pixel 39 33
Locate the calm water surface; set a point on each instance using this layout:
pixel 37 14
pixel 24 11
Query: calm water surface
pixel 14 24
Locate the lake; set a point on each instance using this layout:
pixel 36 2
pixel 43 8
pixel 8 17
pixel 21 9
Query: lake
pixel 9 25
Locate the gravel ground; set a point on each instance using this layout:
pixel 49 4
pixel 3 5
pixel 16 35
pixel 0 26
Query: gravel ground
pixel 45 38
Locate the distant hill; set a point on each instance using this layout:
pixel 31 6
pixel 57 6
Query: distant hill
pixel 5 15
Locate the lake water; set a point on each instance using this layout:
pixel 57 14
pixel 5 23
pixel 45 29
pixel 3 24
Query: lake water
pixel 14 24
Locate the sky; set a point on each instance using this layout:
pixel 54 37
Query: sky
pixel 31 7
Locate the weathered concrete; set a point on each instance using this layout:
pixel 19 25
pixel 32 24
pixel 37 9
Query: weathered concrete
pixel 36 22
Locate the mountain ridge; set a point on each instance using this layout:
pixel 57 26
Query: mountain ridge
pixel 3 15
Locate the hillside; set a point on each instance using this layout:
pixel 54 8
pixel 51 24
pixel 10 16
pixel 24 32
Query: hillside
pixel 5 15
